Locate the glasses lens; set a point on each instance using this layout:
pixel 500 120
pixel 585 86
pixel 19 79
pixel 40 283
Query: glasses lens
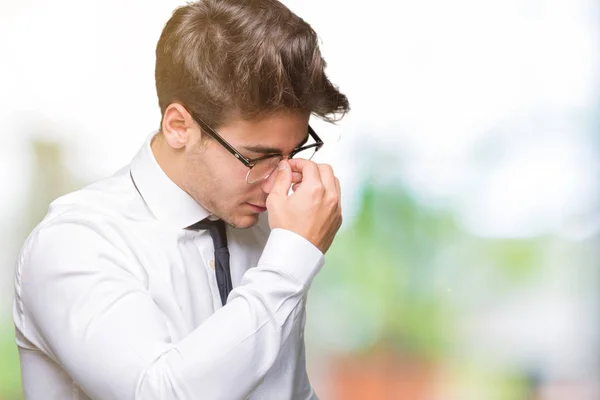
pixel 263 169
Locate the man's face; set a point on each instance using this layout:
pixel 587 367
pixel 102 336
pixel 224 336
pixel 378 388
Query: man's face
pixel 217 180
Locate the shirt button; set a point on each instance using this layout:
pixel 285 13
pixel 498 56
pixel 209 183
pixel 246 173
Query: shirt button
pixel 211 263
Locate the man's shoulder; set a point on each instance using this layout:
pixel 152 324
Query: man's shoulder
pixel 106 203
pixel 112 197
pixel 103 194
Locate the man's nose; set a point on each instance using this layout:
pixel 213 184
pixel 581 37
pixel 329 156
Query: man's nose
pixel 267 184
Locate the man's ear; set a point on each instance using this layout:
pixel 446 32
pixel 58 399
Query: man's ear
pixel 177 126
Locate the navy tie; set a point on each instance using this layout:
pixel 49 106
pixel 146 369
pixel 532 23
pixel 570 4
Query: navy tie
pixel 219 237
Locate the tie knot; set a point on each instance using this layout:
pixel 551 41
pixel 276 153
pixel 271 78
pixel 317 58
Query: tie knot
pixel 216 228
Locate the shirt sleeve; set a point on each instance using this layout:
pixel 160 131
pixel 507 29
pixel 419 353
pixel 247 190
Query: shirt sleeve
pixel 83 306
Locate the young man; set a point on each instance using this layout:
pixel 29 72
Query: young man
pixel 168 280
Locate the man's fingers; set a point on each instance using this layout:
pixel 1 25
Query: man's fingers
pixel 296 177
pixel 308 169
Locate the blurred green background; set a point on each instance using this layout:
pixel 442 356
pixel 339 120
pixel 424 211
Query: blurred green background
pixel 467 265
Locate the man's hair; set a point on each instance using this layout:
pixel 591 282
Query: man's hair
pixel 245 59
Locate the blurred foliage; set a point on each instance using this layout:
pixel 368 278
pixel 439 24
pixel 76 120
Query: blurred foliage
pixel 386 279
pixel 382 266
pixel 470 381
pixel 517 258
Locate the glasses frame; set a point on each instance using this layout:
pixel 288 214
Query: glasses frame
pixel 251 162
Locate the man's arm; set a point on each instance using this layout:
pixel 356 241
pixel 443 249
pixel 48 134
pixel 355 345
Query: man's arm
pixel 81 305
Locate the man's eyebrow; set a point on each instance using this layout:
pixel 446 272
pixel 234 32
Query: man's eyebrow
pixel 271 150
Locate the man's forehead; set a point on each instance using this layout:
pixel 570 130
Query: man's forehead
pixel 271 133
pixel 265 149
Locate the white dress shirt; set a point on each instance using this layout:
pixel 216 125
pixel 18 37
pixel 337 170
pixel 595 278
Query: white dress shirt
pixel 114 299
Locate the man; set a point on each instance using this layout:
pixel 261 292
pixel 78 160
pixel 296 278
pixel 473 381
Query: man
pixel 168 280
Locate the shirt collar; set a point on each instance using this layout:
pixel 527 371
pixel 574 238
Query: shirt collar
pixel 167 201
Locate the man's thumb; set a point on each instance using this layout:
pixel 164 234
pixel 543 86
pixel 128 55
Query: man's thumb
pixel 283 180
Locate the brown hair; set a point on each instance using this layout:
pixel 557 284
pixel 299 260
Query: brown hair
pixel 246 58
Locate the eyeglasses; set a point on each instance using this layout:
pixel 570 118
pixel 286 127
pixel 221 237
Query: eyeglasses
pixel 262 167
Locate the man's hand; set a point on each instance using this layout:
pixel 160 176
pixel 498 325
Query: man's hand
pixel 314 210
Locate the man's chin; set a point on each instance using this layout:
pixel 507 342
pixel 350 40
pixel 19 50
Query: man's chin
pixel 243 221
